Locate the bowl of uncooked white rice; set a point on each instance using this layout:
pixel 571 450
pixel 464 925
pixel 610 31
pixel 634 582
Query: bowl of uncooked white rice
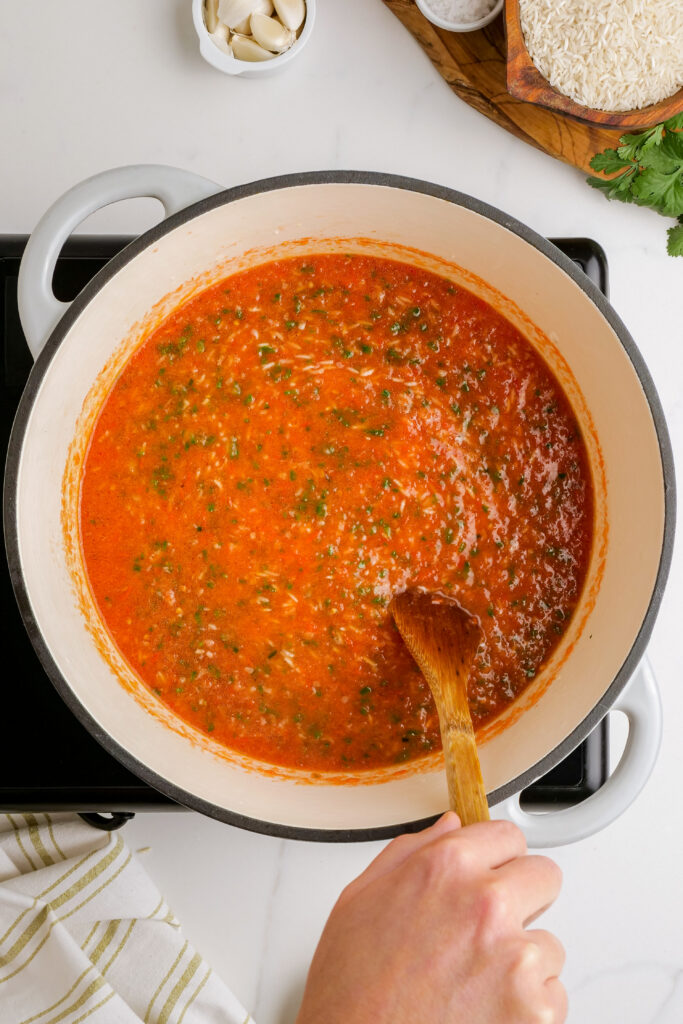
pixel 609 55
pixel 461 15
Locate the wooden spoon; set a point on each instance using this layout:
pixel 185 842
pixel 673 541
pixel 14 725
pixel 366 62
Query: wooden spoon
pixel 443 639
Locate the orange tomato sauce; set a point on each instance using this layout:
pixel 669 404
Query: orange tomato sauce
pixel 288 450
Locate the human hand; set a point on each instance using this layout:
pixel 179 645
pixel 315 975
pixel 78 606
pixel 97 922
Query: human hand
pixel 434 932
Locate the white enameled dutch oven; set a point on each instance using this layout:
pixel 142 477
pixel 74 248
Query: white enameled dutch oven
pixel 209 233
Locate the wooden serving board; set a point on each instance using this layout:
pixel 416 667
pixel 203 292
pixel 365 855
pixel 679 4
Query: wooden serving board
pixel 474 65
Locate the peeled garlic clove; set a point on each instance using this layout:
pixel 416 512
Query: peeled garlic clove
pixel 211 14
pixel 234 12
pixel 271 33
pixel 244 27
pixel 244 48
pixel 220 39
pixel 291 13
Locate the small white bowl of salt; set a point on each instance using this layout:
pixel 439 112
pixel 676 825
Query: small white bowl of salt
pixel 460 15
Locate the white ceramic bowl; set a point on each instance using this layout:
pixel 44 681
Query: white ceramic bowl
pixel 230 65
pixel 456 26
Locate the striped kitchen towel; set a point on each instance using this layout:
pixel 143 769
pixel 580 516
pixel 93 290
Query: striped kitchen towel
pixel 85 934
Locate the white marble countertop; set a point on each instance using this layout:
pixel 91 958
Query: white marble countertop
pixel 84 87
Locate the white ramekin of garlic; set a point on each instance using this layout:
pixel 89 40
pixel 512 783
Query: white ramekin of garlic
pixel 252 37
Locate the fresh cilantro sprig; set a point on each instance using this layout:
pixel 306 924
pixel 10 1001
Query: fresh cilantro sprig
pixel 647 169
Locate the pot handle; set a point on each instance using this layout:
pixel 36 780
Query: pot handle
pixel 39 310
pixel 641 703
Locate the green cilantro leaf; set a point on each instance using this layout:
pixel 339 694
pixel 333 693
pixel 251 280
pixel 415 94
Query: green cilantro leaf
pixel 609 161
pixel 674 245
pixel 662 191
pixel 670 149
pixel 647 169
pixel 633 145
pixel 660 183
pixel 616 188
pixel 674 123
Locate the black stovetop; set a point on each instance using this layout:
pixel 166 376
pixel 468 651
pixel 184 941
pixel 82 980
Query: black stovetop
pixel 48 760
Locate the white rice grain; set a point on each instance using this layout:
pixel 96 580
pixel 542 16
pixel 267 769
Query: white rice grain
pixel 607 54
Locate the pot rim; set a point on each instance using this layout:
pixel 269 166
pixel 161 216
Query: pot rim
pixel 138 245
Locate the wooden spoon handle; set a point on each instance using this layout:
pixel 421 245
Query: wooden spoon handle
pixel 443 639
pixel 466 793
